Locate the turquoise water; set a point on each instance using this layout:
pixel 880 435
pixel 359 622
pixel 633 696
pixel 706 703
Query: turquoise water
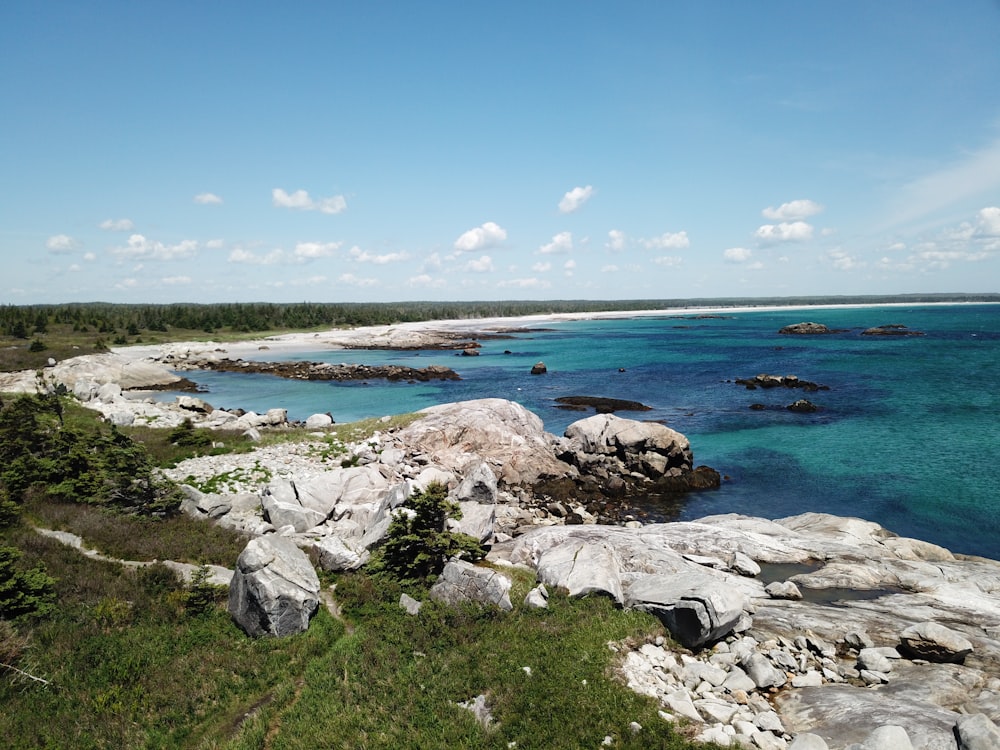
pixel 907 435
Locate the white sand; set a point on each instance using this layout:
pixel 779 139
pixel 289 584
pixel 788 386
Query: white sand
pixel 426 332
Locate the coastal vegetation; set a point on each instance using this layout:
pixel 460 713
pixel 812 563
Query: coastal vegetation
pixel 98 654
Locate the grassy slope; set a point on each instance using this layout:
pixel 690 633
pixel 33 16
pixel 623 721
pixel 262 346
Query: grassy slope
pixel 130 666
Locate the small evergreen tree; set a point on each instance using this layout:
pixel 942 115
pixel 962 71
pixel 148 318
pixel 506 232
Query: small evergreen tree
pixel 418 543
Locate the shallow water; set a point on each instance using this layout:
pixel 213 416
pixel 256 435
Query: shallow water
pixel 908 434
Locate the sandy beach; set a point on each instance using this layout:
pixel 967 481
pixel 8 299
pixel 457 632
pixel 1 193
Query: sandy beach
pixel 429 333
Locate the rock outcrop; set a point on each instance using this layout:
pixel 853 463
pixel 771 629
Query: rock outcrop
pixel 464 583
pixel 274 590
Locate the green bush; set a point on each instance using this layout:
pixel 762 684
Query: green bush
pixel 23 591
pixel 418 543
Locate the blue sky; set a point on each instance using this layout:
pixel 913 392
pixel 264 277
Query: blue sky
pixel 382 151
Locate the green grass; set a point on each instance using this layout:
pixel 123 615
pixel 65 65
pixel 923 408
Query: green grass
pixel 129 668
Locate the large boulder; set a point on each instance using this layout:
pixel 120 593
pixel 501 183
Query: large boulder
pixel 581 567
pixel 508 437
pixel 624 446
pixel 934 642
pixel 274 590
pixel 696 609
pixel 462 583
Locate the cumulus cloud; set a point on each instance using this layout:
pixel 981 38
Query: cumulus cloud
pixel 89 257
pixel 616 241
pixel 139 247
pixel 207 199
pixel 117 225
pixel 483 265
pixel 525 283
pixel 737 255
pixel 795 231
pixel 569 266
pixel 561 243
pixel 350 279
pixel 215 244
pixel 363 256
pixel 176 280
pixel 667 241
pixel 793 210
pixel 575 198
pixel 988 222
pixel 60 243
pixel 239 255
pixel 610 269
pixel 426 280
pixel 312 250
pixel 843 261
pixel 542 267
pixel 301 201
pixel 487 235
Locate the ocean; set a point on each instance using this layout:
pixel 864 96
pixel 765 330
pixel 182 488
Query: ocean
pixel 907 434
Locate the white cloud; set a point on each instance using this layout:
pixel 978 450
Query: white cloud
pixel 569 266
pixel 973 174
pixel 207 199
pixel 667 241
pixel 239 255
pixel 127 284
pixel 542 267
pixel 426 280
pixel 301 201
pixel 483 265
pixel 363 256
pixel 215 244
pixel 796 231
pixel 481 237
pixel 90 257
pixel 610 269
pixel 798 209
pixel 670 261
pixel 575 198
pixel 175 280
pixel 616 241
pixel 844 261
pixel 305 251
pixel 528 283
pixel 60 243
pixel 139 247
pixel 117 225
pixel 561 243
pixel 988 222
pixel 351 280
pixel 737 255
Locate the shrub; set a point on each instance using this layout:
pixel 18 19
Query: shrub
pixel 418 543
pixel 23 592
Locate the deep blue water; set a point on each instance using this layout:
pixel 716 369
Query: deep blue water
pixel 908 434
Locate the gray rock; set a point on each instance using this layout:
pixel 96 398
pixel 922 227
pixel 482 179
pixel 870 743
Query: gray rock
pixel 461 582
pixel 478 486
pixel 695 609
pixel 477 520
pixel 783 590
pixel 411 605
pixel 889 737
pixel 318 421
pixel 581 568
pixel 933 642
pixel 537 598
pixel 808 741
pixel 336 554
pixel 282 508
pixel 274 590
pixel 977 732
pixel 764 674
pixel 873 660
pixel 201 505
pixel 194 404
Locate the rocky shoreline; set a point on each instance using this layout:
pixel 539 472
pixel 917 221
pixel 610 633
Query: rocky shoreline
pixel 812 631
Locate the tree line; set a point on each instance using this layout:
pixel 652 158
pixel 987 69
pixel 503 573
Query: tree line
pixel 24 321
